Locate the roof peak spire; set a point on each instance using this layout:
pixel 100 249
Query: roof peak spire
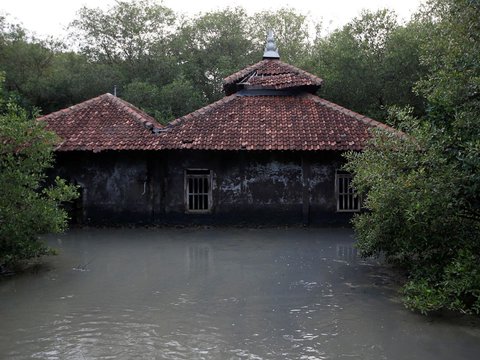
pixel 271 50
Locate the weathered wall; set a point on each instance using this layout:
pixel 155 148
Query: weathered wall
pixel 247 187
pixel 115 185
pixel 268 183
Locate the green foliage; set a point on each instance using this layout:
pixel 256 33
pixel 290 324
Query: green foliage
pixel 28 65
pixel 144 95
pixel 42 74
pixel 179 98
pixel 128 42
pixel 373 57
pixel 212 46
pixel 128 31
pixel 27 207
pixel 458 289
pixel 418 215
pixel 216 44
pixel 422 190
pixel 452 86
pixel 166 103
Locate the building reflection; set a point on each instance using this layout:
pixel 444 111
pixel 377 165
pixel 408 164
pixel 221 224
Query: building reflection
pixel 347 253
pixel 199 259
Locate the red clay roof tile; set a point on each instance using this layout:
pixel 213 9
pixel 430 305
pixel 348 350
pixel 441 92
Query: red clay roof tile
pixel 102 123
pixel 293 122
pixel 271 74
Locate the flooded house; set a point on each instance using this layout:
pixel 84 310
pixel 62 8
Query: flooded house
pixel 269 152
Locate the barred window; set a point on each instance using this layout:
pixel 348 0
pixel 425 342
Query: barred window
pixel 198 190
pixel 347 198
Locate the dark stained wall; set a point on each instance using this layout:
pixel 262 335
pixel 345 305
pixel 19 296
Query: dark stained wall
pixel 247 187
pixel 115 185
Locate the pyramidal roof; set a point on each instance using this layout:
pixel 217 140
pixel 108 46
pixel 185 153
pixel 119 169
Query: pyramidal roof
pixel 271 105
pixel 102 123
pixel 271 74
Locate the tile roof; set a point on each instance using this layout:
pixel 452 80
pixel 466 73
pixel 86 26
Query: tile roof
pixel 270 107
pixel 271 74
pixel 302 122
pixel 102 123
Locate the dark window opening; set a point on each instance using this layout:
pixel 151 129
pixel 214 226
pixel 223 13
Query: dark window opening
pixel 198 190
pixel 347 198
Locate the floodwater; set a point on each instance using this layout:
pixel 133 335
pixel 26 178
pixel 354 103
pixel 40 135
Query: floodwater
pixel 221 293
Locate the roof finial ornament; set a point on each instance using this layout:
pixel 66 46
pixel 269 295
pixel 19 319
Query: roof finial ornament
pixel 271 50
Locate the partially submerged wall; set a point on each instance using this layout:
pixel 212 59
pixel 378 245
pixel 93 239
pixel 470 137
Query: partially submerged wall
pixel 114 186
pixel 246 187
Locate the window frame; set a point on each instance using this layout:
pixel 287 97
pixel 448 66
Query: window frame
pixel 208 176
pixel 341 196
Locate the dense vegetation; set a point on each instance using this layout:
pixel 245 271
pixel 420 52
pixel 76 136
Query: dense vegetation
pixel 421 190
pixel 28 206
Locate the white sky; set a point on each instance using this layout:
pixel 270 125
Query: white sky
pixel 50 17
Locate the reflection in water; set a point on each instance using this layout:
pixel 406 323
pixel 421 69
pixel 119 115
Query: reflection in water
pixel 347 253
pixel 199 259
pixel 216 294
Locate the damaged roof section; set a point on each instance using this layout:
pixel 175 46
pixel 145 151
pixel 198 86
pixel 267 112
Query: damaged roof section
pixel 103 123
pixel 272 74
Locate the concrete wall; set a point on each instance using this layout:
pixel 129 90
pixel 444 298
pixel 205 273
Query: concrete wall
pixel 247 187
pixel 112 185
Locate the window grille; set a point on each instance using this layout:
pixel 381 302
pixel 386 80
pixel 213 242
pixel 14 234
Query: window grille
pixel 198 190
pixel 347 197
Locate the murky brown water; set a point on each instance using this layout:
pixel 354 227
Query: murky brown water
pixel 217 294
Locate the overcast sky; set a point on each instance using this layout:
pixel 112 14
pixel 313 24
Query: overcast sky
pixel 50 17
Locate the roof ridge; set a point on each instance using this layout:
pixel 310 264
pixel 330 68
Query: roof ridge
pixel 141 116
pixel 239 74
pixel 69 109
pixel 201 111
pixel 362 118
pixel 303 72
